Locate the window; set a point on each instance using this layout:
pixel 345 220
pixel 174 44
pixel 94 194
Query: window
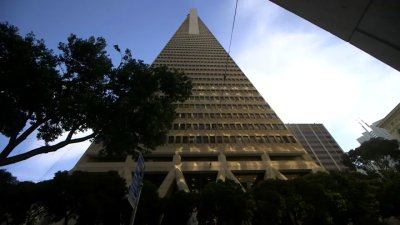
pixel 212 139
pixel 171 139
pixel 201 126
pixel 246 139
pixel 271 139
pixel 285 139
pixel 226 139
pixel 178 139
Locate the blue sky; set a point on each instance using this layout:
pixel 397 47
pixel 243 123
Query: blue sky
pixel 306 74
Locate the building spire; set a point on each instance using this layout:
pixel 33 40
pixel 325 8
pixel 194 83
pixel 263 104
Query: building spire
pixel 193 22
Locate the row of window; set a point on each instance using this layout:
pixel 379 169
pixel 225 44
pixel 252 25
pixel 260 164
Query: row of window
pixel 202 61
pixel 195 58
pixel 225 98
pixel 221 88
pixel 196 46
pixel 213 65
pixel 183 54
pixel 223 106
pixel 220 84
pixel 190 51
pixel 215 73
pixel 318 152
pixel 189 46
pixel 205 139
pixel 226 126
pixel 228 115
pixel 191 38
pixel 211 69
pixel 226 91
pixel 219 78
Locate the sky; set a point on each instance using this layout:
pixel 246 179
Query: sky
pixel 306 74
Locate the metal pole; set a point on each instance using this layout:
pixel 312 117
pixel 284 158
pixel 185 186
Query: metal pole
pixel 135 209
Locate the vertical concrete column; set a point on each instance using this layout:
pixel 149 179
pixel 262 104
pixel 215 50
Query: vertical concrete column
pixel 180 179
pixel 271 172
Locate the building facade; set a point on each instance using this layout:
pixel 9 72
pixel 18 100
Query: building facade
pixel 391 123
pixel 373 131
pixel 320 145
pixel 225 130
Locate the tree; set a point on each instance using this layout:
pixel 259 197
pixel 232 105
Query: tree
pixel 376 156
pixel 389 196
pixel 17 200
pixel 270 203
pixel 149 208
pixel 88 198
pixel 126 107
pixel 338 198
pixel 178 208
pixel 224 202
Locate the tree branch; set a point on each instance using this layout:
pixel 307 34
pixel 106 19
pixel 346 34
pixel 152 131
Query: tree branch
pixel 43 149
pixel 15 141
pixel 71 132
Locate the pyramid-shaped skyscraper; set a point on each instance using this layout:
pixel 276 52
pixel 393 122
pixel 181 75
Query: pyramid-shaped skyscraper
pixel 225 130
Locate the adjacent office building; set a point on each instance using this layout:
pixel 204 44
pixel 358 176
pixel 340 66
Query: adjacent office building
pixel 320 145
pixel 225 130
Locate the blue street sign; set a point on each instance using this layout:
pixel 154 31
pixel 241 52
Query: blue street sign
pixel 136 186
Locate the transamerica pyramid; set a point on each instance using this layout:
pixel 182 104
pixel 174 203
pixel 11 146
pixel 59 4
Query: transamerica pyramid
pixel 225 130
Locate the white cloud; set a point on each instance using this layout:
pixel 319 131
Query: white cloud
pixel 309 76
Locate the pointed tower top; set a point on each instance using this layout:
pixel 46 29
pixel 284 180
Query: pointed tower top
pixel 193 22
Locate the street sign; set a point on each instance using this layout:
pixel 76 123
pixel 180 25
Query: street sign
pixel 136 186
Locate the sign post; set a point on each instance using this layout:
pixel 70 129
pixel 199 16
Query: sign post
pixel 136 187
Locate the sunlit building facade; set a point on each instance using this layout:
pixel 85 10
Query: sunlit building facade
pixel 225 130
pixel 391 123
